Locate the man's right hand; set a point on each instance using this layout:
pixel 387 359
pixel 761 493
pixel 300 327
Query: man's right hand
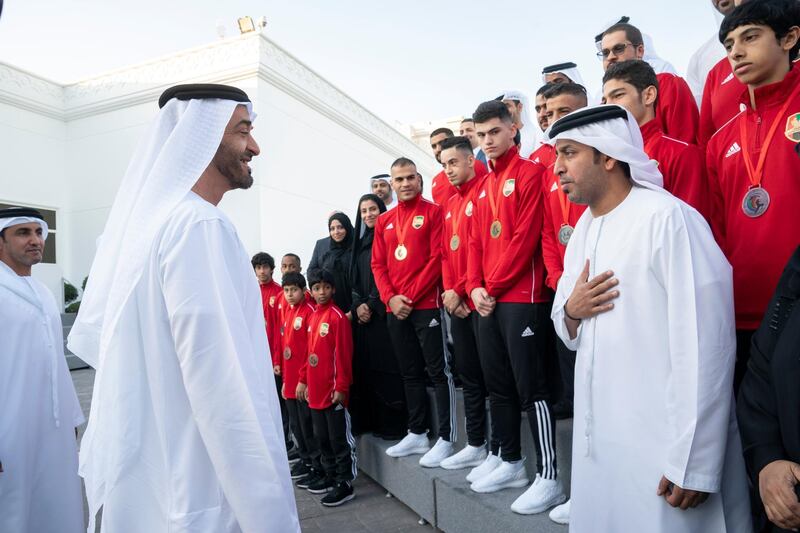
pixel 776 483
pixel 301 392
pixel 484 303
pixel 400 306
pixel 276 370
pixel 591 297
pixel 451 300
pixel 364 313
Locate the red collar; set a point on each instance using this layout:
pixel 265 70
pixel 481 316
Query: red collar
pixel 774 93
pixel 650 129
pixel 504 160
pixel 464 188
pixel 410 204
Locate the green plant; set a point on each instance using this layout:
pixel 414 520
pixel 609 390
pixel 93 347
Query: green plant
pixel 73 307
pixel 70 292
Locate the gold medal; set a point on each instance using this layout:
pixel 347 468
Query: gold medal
pixel 313 360
pixel 287 353
pixel 454 242
pixel 401 252
pixel 496 229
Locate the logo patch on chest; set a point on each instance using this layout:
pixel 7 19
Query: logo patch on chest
pixel 508 187
pixel 272 301
pixel 418 221
pixel 298 323
pixel 468 210
pixel 793 128
pixel 323 329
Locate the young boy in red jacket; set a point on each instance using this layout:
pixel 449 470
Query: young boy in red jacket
pixel 324 382
pixel 291 357
pixel 753 160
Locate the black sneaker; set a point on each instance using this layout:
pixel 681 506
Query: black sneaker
pixel 293 454
pixel 311 478
pixel 321 486
pixel 341 493
pixel 300 470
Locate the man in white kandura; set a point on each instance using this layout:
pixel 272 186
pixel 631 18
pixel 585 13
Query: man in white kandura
pixel 184 431
pixel 646 300
pixel 39 485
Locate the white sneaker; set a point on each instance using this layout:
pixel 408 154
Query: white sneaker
pixel 507 475
pixel 469 456
pixel 440 451
pixel 485 468
pixel 543 494
pixel 560 513
pixel 411 444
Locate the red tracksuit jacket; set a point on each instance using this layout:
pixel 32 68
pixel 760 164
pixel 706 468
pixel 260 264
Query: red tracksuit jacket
pixel 294 344
pixel 419 275
pixel 758 248
pixel 329 365
pixel 442 189
pixel 271 293
pixel 676 109
pixel 509 267
pixel 681 164
pixel 552 249
pixel 720 100
pixel 458 211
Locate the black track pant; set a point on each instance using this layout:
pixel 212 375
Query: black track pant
pixel 336 443
pixel 468 365
pixel 303 431
pixel 513 343
pixel 420 345
pixel 287 435
pixel 566 368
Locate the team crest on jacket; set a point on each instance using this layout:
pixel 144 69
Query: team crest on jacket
pixel 418 221
pixel 323 329
pixel 298 323
pixel 793 128
pixel 508 187
pixel 272 301
pixel 468 210
pixel 313 360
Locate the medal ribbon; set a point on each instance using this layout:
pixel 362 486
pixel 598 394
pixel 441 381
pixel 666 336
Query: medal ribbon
pixel 757 174
pixel 565 204
pixel 459 214
pixel 495 203
pixel 400 229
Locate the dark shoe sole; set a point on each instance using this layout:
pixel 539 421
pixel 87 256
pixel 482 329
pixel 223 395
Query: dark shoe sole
pixel 340 502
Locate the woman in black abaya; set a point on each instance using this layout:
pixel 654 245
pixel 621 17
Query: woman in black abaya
pixel 377 400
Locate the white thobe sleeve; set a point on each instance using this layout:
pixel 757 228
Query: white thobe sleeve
pixel 698 282
pixel 203 291
pixel 566 284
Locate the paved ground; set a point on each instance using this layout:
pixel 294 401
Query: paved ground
pixel 370 511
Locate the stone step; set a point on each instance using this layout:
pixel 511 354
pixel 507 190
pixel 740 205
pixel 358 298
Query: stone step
pixel 443 497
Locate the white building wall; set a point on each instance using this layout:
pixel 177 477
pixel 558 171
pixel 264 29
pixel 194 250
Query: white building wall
pixel 67 147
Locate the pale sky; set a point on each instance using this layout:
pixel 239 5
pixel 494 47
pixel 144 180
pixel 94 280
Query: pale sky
pixel 406 61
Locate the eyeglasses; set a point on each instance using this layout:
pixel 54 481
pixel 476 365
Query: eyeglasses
pixel 617 50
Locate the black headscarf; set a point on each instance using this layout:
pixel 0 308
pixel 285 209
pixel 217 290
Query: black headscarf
pixel 365 240
pixel 344 220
